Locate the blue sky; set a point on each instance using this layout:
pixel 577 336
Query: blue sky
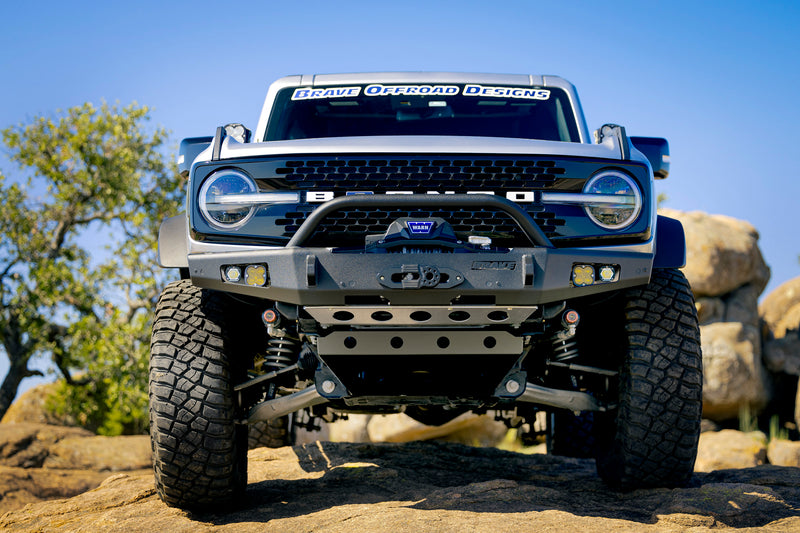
pixel 719 80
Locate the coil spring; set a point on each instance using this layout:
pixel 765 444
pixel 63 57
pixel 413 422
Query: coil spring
pixel 281 352
pixel 565 349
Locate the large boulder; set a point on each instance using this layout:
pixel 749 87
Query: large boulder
pixel 350 429
pixel 733 375
pixel 784 452
pixel 40 462
pixel 797 406
pixel 783 355
pixel 28 445
pixel 31 407
pixel 468 428
pixel 722 253
pixel 780 312
pixel 739 305
pixel 780 309
pixel 728 448
pixel 127 452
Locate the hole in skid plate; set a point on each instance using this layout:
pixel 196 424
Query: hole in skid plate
pixel 382 316
pixel 458 316
pixel 420 316
pixel 343 316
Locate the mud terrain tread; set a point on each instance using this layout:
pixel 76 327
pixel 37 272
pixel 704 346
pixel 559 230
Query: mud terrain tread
pixel 653 440
pixel 270 433
pixel 196 451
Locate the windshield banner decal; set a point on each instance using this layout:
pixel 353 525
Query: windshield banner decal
pixel 525 93
pixel 307 93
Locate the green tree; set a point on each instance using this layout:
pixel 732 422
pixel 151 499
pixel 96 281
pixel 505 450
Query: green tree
pixel 78 274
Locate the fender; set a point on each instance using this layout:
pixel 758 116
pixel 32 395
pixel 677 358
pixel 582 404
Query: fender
pixel 172 249
pixel 670 244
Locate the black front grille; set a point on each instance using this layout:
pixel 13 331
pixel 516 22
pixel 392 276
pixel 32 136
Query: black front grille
pixel 520 178
pixel 456 174
pixel 421 176
pixel 347 227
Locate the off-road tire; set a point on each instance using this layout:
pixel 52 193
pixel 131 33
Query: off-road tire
pixel 270 433
pixel 650 440
pixel 571 435
pixel 199 452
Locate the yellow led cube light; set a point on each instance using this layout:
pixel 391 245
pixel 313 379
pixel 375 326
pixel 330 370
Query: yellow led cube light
pixel 582 275
pixel 255 275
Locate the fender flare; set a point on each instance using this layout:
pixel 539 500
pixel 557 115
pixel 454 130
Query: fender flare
pixel 670 244
pixel 172 247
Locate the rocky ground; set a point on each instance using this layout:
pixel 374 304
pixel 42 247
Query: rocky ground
pixel 430 486
pixel 40 462
pixel 66 479
pixel 49 479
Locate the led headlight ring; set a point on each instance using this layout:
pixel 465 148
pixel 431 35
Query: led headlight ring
pixel 608 184
pixel 232 184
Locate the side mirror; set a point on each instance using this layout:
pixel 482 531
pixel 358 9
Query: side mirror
pixel 656 150
pixel 190 148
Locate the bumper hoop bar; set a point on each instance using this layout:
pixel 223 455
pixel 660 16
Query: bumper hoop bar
pixel 523 219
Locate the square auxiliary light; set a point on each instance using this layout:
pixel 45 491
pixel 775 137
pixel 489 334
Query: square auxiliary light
pixel 255 275
pixel 582 275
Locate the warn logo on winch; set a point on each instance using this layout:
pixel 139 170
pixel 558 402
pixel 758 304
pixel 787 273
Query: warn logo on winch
pixel 494 265
pixel 419 227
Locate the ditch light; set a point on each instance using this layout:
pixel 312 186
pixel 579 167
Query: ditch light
pixel 584 275
pixel 252 275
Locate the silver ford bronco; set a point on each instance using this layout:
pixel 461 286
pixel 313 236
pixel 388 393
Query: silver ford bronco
pixel 426 243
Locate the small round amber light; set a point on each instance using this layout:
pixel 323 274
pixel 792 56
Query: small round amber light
pixel 607 273
pixel 233 274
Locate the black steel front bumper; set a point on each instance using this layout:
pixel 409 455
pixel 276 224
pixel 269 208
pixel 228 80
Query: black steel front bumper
pixel 532 275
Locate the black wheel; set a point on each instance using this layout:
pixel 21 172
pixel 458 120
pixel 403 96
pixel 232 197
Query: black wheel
pixel 271 433
pixel 571 435
pixel 199 452
pixel 650 440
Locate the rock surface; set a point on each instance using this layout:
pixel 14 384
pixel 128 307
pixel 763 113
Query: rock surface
pixel 468 428
pixel 784 453
pixel 733 374
pixel 111 454
pixel 740 305
pixel 780 309
pixel 20 486
pixel 730 449
pixel 722 253
pixel 431 487
pixel 28 445
pixel 783 355
pixel 40 462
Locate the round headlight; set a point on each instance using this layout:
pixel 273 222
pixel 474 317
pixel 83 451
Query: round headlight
pixel 618 200
pixel 228 184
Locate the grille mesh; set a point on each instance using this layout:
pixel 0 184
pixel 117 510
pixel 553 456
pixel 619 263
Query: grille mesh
pixel 420 175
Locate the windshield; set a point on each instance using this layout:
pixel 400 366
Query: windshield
pixel 474 110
